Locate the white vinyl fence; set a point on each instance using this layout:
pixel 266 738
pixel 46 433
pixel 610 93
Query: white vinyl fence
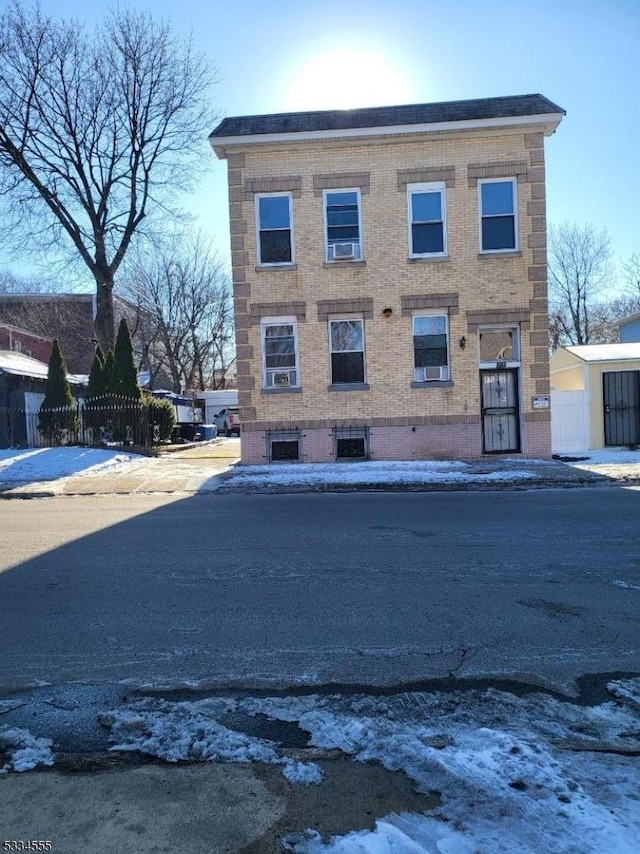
pixel 570 422
pixel 32 401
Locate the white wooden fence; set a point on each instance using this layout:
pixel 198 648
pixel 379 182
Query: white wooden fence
pixel 570 422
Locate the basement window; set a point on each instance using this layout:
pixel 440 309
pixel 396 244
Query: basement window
pixel 351 443
pixel 284 446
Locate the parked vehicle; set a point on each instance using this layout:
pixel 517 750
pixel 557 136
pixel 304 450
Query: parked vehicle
pixel 228 421
pixel 188 417
pixel 213 402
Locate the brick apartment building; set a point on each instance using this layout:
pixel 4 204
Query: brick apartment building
pixel 390 280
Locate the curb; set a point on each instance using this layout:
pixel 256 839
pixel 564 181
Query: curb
pixel 14 496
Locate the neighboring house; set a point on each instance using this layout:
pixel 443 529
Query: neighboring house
pixel 595 396
pixel 25 318
pixel 23 341
pixel 22 389
pixel 390 280
pixel 629 328
pixel 67 317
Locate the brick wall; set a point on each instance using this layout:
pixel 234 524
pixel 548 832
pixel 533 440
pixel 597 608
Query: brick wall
pixel 472 288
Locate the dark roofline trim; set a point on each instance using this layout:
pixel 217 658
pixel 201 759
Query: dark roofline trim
pixel 376 121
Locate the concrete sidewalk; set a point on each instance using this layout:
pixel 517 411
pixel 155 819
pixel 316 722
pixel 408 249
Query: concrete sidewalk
pixel 195 469
pixel 213 467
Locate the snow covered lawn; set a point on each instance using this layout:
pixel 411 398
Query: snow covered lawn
pixel 516 775
pixel 35 464
pixel 375 473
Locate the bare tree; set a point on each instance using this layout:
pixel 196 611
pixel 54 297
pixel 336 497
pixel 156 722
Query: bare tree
pixel 631 277
pixel 580 270
pixel 183 296
pixel 12 284
pixel 96 133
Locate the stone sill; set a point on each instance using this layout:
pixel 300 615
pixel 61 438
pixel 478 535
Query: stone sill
pixel 329 264
pixel 282 390
pixel 500 253
pixel 276 268
pixel 428 259
pixel 349 387
pixel 433 384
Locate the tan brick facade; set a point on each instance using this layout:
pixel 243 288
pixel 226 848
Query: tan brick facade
pixel 386 287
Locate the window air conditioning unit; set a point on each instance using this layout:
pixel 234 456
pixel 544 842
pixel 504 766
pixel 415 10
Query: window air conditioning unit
pixel 282 378
pixel 343 251
pixel 434 373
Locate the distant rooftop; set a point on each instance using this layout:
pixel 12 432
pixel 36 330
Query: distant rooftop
pixel 18 364
pixel 517 107
pixel 605 352
pixel 630 318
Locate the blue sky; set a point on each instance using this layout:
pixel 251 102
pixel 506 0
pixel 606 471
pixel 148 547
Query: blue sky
pixel 294 55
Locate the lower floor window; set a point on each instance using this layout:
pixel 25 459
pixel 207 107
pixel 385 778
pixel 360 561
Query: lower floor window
pixel 347 351
pixel 279 349
pixel 351 443
pixel 430 348
pixel 284 446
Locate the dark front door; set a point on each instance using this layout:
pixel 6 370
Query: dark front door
pixel 500 420
pixel 621 397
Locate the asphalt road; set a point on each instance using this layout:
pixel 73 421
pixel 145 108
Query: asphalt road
pixel 358 588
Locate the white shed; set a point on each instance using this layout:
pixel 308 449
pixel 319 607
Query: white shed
pixel 595 397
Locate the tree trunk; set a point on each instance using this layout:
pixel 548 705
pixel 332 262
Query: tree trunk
pixel 104 323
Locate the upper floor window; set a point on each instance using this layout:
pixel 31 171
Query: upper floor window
pixel 427 229
pixel 274 228
pixel 430 347
pixel 343 226
pixel 279 352
pixel 498 221
pixel 346 339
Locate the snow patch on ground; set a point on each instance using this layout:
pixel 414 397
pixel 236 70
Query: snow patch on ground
pixel 52 463
pixel 627 690
pixel 303 773
pixel 516 775
pixel 605 457
pixel 192 732
pixel 373 473
pixel 183 732
pixel 625 585
pixel 22 751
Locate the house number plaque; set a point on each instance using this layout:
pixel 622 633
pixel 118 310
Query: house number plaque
pixel 542 402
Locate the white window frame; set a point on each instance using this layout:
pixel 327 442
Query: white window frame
pixel 279 321
pixel 325 194
pixel 516 228
pixel 256 202
pixel 338 319
pixel 433 187
pixel 431 312
pixel 517 338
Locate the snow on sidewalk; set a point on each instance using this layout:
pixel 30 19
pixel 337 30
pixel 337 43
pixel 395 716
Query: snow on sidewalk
pixel 516 775
pixel 353 473
pixel 45 464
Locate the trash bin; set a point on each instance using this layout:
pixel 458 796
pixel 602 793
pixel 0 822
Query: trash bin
pixel 208 431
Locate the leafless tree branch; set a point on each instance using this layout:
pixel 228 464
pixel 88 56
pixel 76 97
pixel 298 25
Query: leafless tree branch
pixel 184 293
pixel 96 132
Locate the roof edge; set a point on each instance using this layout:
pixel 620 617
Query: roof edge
pixel 550 121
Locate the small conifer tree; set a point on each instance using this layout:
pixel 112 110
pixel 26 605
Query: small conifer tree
pixel 107 371
pixel 124 381
pixel 57 390
pixel 57 418
pixel 97 386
